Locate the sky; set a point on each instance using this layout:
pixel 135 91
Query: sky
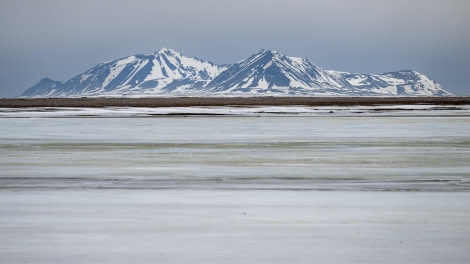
pixel 60 39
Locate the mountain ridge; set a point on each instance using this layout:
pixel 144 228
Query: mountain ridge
pixel 169 73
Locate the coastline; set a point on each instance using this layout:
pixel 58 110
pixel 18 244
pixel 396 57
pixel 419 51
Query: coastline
pixel 227 101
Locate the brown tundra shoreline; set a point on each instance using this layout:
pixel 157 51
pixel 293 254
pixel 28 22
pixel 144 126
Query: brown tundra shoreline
pixel 227 101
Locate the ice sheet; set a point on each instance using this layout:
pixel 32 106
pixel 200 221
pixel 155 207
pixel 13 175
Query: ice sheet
pixel 328 111
pixel 262 187
pixel 238 152
pixel 135 226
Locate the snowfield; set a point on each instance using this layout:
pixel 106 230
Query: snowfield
pixel 181 226
pixel 364 184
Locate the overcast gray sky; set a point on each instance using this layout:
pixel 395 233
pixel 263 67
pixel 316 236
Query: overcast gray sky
pixel 60 39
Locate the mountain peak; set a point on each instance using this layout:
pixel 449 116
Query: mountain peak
pixel 47 79
pixel 270 51
pixel 167 51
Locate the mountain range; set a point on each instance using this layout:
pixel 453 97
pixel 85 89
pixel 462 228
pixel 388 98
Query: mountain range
pixel 169 73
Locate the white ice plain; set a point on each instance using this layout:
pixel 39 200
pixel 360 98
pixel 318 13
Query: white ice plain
pixel 351 186
pixel 191 226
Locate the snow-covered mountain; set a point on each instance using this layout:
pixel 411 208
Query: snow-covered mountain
pixel 271 72
pixel 165 71
pixel 168 73
pixel 404 82
pixel 43 88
